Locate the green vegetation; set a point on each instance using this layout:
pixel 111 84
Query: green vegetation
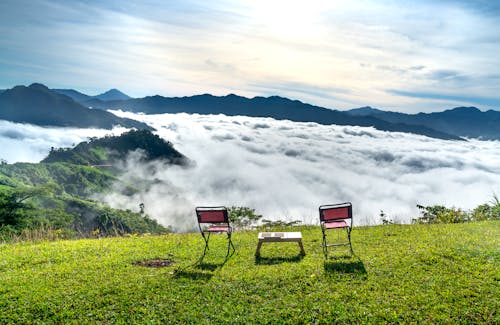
pixel 243 217
pixel 38 213
pixel 58 195
pixel 437 273
pixel 441 214
pixel 109 149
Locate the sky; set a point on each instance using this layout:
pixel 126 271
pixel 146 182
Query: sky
pixel 407 56
pixel 285 170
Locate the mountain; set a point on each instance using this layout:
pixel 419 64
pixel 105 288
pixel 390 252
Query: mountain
pixel 75 95
pixel 364 111
pixel 2 90
pixel 274 106
pixel 109 149
pixel 460 121
pixel 112 94
pixel 39 105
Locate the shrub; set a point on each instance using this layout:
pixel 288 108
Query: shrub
pixel 268 224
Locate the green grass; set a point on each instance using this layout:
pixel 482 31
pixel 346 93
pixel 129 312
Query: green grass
pixel 400 274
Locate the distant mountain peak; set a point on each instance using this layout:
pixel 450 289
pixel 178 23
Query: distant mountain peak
pixel 38 86
pixel 112 94
pixel 464 109
pixel 364 111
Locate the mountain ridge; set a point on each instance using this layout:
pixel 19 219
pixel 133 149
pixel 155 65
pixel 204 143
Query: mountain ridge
pixel 37 104
pixel 452 124
pixel 468 122
pixel 77 96
pixel 277 107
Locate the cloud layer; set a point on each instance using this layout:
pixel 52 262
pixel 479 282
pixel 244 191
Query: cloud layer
pixel 285 170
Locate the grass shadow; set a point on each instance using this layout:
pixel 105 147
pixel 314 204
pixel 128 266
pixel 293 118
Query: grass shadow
pixel 193 275
pixel 278 260
pixel 345 264
pixel 209 266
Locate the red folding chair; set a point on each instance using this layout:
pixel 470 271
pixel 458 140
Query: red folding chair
pixel 336 216
pixel 218 222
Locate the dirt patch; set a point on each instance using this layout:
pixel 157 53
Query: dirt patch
pixel 158 262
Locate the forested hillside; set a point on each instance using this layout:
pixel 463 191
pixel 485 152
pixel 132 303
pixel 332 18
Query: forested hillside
pixel 61 192
pixel 109 149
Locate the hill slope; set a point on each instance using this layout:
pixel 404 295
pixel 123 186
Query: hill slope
pixel 60 192
pixel 429 274
pixel 73 94
pixel 460 121
pixel 108 150
pixel 39 105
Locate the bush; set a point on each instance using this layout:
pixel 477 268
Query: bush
pixel 441 214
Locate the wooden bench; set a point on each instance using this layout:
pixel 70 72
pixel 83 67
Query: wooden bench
pixel 279 237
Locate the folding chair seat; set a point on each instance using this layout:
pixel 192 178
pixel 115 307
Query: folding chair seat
pixel 336 216
pixel 217 221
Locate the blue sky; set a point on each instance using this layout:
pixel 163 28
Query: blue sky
pixel 395 55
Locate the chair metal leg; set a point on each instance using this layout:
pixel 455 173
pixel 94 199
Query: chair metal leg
pixel 325 244
pixel 229 245
pixel 325 248
pixel 206 238
pixel 349 237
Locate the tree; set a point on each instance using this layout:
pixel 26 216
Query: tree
pixel 441 214
pixel 14 203
pixel 243 217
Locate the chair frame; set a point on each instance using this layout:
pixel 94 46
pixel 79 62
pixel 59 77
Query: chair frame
pixel 337 221
pixel 218 224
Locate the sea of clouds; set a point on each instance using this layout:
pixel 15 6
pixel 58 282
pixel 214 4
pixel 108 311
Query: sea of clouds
pixel 285 170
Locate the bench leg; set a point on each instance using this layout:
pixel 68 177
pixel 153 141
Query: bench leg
pixel 302 251
pixel 257 252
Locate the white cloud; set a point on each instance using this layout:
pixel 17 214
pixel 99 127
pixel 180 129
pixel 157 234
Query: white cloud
pixel 285 170
pixel 339 54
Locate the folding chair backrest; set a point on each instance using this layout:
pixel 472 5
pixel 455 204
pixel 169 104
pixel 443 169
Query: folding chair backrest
pixel 212 215
pixel 332 212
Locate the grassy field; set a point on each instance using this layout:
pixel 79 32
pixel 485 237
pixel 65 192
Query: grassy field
pixel 399 274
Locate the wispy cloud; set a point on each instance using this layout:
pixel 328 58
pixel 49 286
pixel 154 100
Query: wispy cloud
pixel 306 49
pixel 456 99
